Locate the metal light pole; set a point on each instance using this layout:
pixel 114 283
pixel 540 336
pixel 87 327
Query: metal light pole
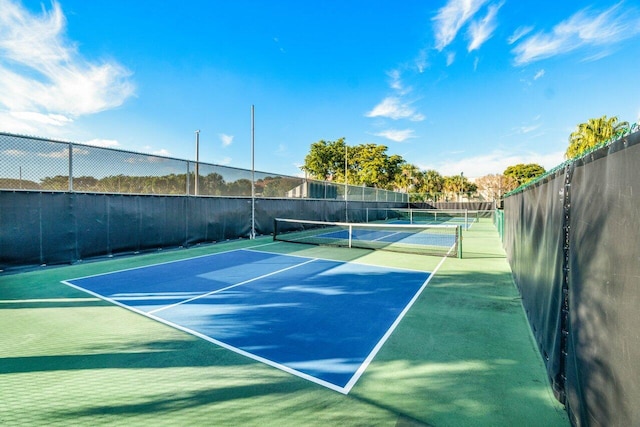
pixel 252 234
pixel 197 162
pixel 346 186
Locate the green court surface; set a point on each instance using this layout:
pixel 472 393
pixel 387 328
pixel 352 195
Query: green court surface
pixel 462 356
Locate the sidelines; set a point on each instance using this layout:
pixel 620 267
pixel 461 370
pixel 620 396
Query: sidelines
pixel 390 331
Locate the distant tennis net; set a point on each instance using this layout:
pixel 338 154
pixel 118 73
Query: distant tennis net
pixel 441 240
pixel 424 216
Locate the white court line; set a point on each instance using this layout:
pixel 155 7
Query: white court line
pixel 385 337
pixel 231 286
pixel 344 390
pixel 215 341
pixel 388 235
pixel 357 262
pixel 156 264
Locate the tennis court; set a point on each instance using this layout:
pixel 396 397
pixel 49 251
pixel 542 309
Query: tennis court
pixel 442 240
pixel 320 319
pixel 257 332
pixel 464 218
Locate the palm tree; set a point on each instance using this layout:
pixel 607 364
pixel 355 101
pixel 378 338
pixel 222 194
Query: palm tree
pixel 592 133
pixel 431 184
pixel 407 178
pixel 456 185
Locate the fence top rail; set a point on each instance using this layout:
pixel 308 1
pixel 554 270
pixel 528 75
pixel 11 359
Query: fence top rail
pixel 259 175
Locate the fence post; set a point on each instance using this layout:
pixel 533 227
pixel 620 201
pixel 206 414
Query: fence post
pixel 70 167
pixel 188 179
pixel 559 382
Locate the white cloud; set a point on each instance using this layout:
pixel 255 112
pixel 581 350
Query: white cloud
pixel 451 18
pixel 397 135
pixel 584 28
pixel 482 30
pixel 48 119
pixel 529 129
pixel 227 140
pixel 539 75
pixel 281 150
pixel 162 152
pixel 417 117
pixel 61 154
pixel 519 33
pixel 421 61
pixel 104 143
pixel 396 81
pixel 44 81
pixel 15 153
pixel 451 56
pixel 495 162
pixel 393 108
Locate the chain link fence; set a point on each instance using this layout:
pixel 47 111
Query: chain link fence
pixel 451 196
pixel 30 163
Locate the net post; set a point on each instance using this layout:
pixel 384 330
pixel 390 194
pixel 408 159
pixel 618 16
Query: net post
pixel 252 233
pixel 275 228
pixel 459 238
pixel 350 234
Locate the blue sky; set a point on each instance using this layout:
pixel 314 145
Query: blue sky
pixel 468 86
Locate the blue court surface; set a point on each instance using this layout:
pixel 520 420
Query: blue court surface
pixel 465 225
pixel 320 319
pixel 387 236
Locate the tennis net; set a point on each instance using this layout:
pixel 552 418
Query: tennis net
pixel 424 216
pixel 441 240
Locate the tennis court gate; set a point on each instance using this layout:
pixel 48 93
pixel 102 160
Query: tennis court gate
pixel 573 242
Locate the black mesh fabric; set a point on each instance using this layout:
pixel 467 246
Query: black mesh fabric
pixel 577 229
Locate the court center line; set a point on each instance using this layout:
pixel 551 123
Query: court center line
pixel 232 286
pixel 386 236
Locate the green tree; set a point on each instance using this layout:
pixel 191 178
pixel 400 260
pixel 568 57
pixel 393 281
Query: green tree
pixel 325 160
pixel 523 173
pixel 429 186
pixel 593 132
pixel 457 185
pixel 277 186
pixel 212 184
pixel 58 182
pixel 408 178
pixel 240 187
pixel 394 166
pixel 367 164
pixel 19 183
pixel 84 183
